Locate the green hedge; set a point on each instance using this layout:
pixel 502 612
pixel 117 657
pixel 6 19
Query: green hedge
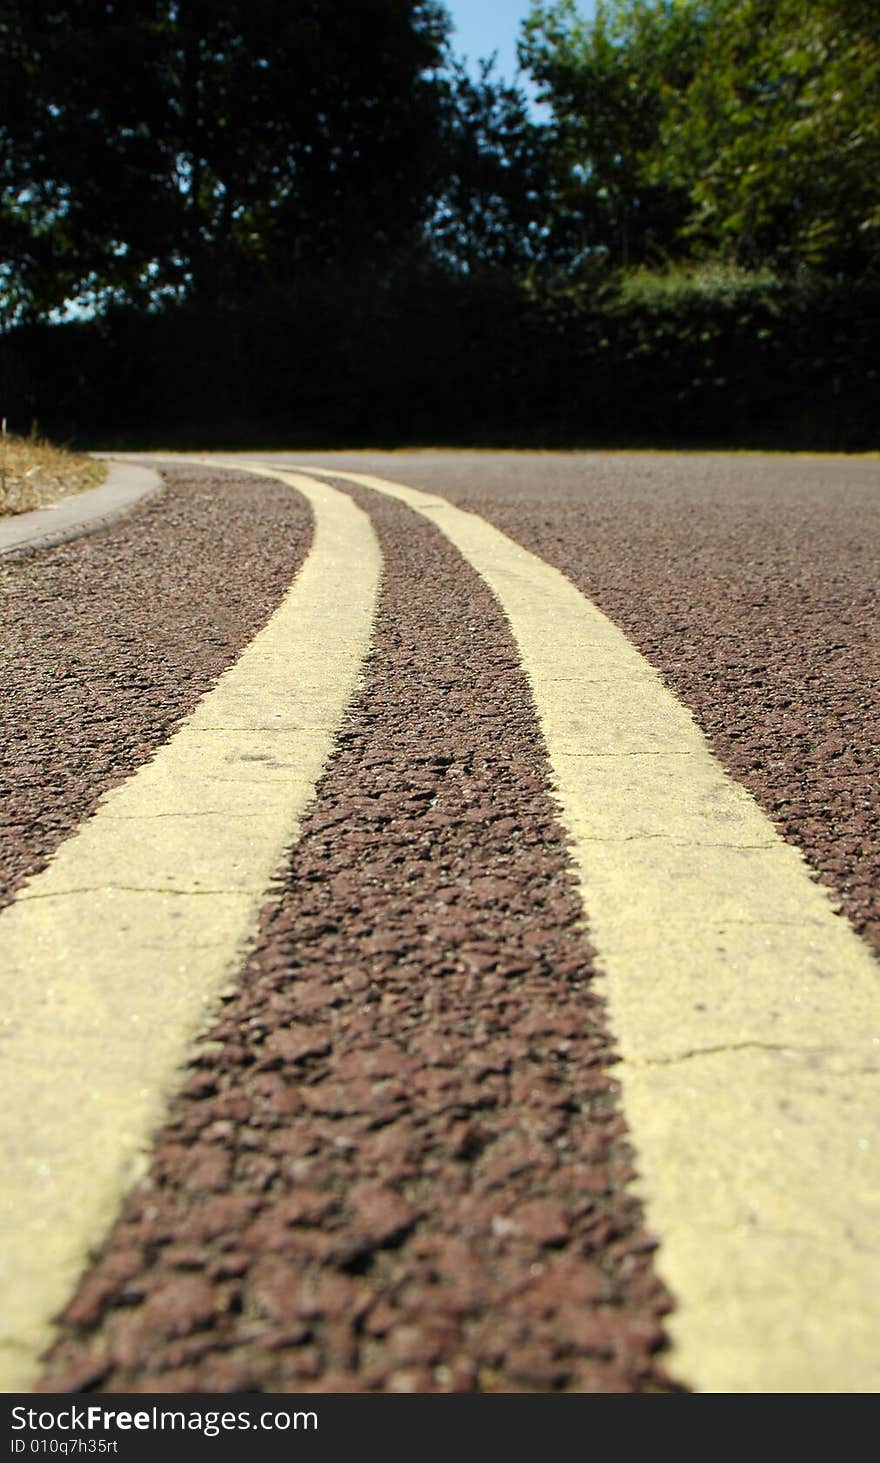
pixel 718 356
pixel 699 358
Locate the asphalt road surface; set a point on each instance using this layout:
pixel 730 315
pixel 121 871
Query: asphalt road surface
pixel 440 920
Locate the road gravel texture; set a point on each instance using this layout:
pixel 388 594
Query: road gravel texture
pixel 109 641
pixel 750 583
pixel 397 1163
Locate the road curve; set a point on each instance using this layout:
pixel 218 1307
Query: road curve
pixel 71 518
pixel 400 1162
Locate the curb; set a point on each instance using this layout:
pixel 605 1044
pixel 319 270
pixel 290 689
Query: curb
pixel 25 534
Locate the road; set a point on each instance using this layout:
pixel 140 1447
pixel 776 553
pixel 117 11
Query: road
pixel 441 927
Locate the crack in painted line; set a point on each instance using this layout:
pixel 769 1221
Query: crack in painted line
pixel 112 888
pixel 313 726
pixel 672 842
pixel 194 817
pixel 566 751
pixel 738 1046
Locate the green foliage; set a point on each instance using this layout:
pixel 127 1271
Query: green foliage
pixel 712 283
pixel 158 148
pixel 301 219
pixel 747 130
pixel 495 200
pixel 778 135
pixel 349 355
pixel 607 83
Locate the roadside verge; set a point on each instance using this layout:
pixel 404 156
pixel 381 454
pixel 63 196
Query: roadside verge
pixel 82 513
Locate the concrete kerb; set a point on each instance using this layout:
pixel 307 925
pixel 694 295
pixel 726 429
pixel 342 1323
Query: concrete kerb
pixel 126 486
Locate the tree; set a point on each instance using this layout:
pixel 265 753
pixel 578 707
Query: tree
pixel 495 196
pixel 191 146
pixel 778 135
pixel 607 83
pixel 746 130
pixel 82 161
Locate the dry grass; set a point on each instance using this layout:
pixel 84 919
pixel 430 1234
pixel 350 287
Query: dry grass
pixel 34 474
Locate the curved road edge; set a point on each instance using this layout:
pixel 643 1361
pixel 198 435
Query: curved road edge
pixel 126 486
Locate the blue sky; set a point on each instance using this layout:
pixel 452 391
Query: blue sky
pixel 484 26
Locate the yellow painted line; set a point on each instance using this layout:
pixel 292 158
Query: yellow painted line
pixel 745 1010
pixel 112 958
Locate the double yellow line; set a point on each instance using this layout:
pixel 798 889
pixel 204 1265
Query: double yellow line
pixel 744 1009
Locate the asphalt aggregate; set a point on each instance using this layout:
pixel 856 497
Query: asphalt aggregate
pixel 110 641
pixel 398 1161
pixel 752 584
